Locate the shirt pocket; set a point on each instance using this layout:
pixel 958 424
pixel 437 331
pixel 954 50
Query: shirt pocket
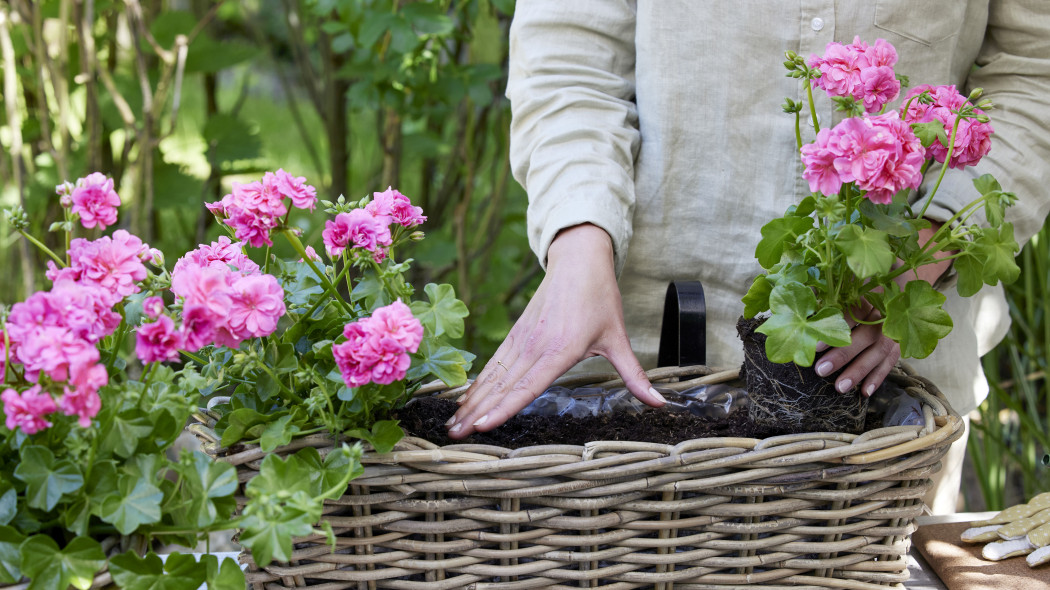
pixel 904 19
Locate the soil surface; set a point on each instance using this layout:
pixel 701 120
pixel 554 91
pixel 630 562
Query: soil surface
pixel 425 418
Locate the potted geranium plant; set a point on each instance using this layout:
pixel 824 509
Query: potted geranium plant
pixel 92 401
pixel 853 245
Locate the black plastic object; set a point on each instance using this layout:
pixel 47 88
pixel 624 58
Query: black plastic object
pixel 683 336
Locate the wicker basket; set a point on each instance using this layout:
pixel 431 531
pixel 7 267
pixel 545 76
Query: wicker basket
pixel 812 510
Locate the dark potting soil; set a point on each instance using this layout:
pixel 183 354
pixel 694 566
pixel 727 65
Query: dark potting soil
pixel 425 418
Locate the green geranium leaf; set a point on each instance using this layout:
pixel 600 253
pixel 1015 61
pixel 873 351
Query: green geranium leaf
pixel 278 433
pixel 916 320
pixel 370 292
pixel 48 567
pixel 137 503
pixel 971 274
pixel 930 132
pixel 792 332
pixel 269 536
pixel 340 466
pixel 383 436
pixel 126 429
pixel 787 272
pixel 240 422
pixel 444 313
pixel 444 362
pixel 776 235
pixel 46 479
pixel 886 218
pixel 997 248
pixel 211 485
pixel 283 476
pixel 756 300
pixel 8 503
pixel 225 576
pixel 867 250
pixel 805 207
pixel 177 572
pixel 986 184
pixel 10 556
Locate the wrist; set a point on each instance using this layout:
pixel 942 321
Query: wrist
pixel 581 242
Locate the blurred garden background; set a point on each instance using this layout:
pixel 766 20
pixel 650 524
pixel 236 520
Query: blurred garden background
pixel 176 99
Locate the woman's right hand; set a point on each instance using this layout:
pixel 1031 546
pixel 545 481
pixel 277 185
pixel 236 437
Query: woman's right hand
pixel 576 313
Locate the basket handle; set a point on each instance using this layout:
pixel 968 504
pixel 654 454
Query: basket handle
pixel 683 334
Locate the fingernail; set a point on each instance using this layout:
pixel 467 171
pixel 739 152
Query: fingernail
pixel 482 420
pixel 461 399
pixel 451 421
pixel 824 369
pixel 844 385
pixel 870 389
pixel 656 394
pixel 456 428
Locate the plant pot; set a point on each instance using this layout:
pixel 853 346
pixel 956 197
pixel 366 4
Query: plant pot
pixel 791 398
pixel 812 510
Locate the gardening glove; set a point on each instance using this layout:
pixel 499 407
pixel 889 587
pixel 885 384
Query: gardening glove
pixel 1019 530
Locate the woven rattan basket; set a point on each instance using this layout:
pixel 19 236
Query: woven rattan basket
pixel 812 510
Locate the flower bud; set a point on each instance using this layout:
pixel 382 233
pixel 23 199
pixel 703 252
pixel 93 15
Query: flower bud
pixel 17 217
pixel 790 55
pixel 975 94
pixel 65 194
pixel 416 236
pixel 983 118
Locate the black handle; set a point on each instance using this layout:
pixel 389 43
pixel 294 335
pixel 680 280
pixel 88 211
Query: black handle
pixel 683 336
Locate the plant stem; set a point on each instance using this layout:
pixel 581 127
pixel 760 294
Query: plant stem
pixel 298 247
pixel 193 357
pixel 944 167
pixel 812 106
pixel 46 250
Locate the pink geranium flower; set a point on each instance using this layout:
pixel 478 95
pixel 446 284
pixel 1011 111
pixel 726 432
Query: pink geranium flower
pixel 113 263
pixel 256 303
pixel 252 210
pixel 83 400
pixel 357 229
pixel 878 153
pixel 860 71
pixel 222 253
pixel 27 410
pixel 158 341
pixel 198 326
pixel 397 206
pixel 153 307
pixel 376 348
pixel 973 138
pixel 94 199
pixel 302 195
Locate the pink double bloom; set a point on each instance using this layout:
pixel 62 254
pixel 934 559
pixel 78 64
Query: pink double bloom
pixel 376 348
pixel 862 71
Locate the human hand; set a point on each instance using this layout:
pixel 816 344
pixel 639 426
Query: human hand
pixel 575 314
pixel 870 356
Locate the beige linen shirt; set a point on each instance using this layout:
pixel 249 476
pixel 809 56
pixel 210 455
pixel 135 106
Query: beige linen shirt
pixel 660 121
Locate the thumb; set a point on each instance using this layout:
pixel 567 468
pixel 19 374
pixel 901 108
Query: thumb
pixel 626 364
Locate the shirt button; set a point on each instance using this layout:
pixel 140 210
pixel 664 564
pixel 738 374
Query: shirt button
pixel 816 24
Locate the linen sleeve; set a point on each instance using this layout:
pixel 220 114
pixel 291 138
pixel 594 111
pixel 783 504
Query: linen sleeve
pixel 1013 68
pixel 574 130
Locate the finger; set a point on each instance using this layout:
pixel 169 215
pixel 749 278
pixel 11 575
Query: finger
pixel 626 364
pixel 861 338
pixel 529 380
pixel 870 367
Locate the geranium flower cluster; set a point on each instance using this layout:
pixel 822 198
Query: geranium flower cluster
pixel 225 300
pixel 972 138
pixel 369 228
pixel 92 198
pixel 54 334
pixel 862 71
pixel 376 348
pixel 256 208
pixel 881 153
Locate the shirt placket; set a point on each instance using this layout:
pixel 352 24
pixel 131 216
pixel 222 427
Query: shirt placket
pixel 816 29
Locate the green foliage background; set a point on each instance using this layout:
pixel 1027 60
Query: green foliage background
pixel 177 99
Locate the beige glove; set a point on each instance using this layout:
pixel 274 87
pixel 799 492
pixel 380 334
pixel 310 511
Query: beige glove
pixel 1019 530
